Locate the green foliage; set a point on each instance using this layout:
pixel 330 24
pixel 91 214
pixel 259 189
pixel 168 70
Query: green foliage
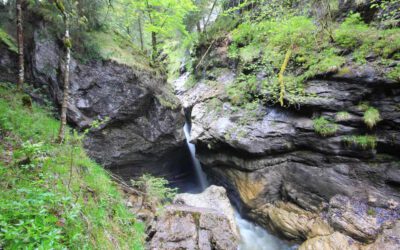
pixel 363 141
pixel 267 43
pixel 350 32
pixel 371 117
pixel 363 39
pixel 326 61
pixel 342 116
pixel 394 74
pixel 390 11
pixel 156 189
pixel 8 41
pixel 101 45
pixel 243 90
pixel 324 127
pixel 53 196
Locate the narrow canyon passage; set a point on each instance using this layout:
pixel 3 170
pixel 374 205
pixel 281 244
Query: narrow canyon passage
pixel 253 237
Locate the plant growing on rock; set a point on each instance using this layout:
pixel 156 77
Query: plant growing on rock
pixel 155 189
pixel 394 74
pixel 363 141
pixel 324 127
pixel 342 116
pixel 371 117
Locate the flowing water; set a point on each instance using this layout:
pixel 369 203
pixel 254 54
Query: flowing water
pixel 201 176
pixel 253 237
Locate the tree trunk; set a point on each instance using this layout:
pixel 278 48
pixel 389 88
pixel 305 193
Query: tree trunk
pixel 154 45
pixel 209 15
pixel 20 35
pixel 140 33
pixel 64 106
pixel 198 26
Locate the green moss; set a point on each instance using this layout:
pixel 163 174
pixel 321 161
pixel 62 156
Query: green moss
pixel 363 106
pixel 371 117
pixel 344 71
pixel 8 40
pixel 371 212
pixel 327 61
pixel 394 74
pixel 53 196
pixel 363 141
pixel 350 33
pixel 168 99
pixel 363 39
pixel 101 45
pixel 324 127
pixel 243 90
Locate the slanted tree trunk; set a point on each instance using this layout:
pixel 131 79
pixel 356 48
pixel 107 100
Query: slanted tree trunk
pixel 154 45
pixel 20 36
pixel 66 66
pixel 209 15
pixel 198 26
pixel 140 32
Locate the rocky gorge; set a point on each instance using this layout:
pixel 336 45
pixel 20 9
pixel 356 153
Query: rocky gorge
pixel 335 189
pixel 327 190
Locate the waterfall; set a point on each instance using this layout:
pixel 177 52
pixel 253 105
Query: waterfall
pixel 196 163
pixel 252 236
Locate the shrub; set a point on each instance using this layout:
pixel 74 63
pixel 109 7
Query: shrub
pixel 353 33
pixel 350 32
pixel 363 141
pixel 156 189
pixel 324 127
pixel 371 117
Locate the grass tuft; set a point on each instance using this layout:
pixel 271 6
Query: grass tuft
pixel 363 141
pixel 324 127
pixel 371 117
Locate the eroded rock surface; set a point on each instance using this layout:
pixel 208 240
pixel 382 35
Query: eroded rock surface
pixel 290 178
pixel 213 197
pixel 186 227
pixel 143 132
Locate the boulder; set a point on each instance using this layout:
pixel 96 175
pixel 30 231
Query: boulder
pixel 186 227
pixel 213 197
pixel 388 240
pixel 358 219
pixel 290 221
pixel 335 241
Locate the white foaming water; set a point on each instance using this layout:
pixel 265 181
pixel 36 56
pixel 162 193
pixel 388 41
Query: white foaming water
pixel 192 148
pixel 253 237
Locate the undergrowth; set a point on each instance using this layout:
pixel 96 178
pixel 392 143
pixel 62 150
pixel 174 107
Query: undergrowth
pixel 262 45
pixel 53 196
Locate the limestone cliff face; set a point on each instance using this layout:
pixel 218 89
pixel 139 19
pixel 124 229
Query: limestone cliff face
pixel 288 177
pixel 278 156
pixel 142 133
